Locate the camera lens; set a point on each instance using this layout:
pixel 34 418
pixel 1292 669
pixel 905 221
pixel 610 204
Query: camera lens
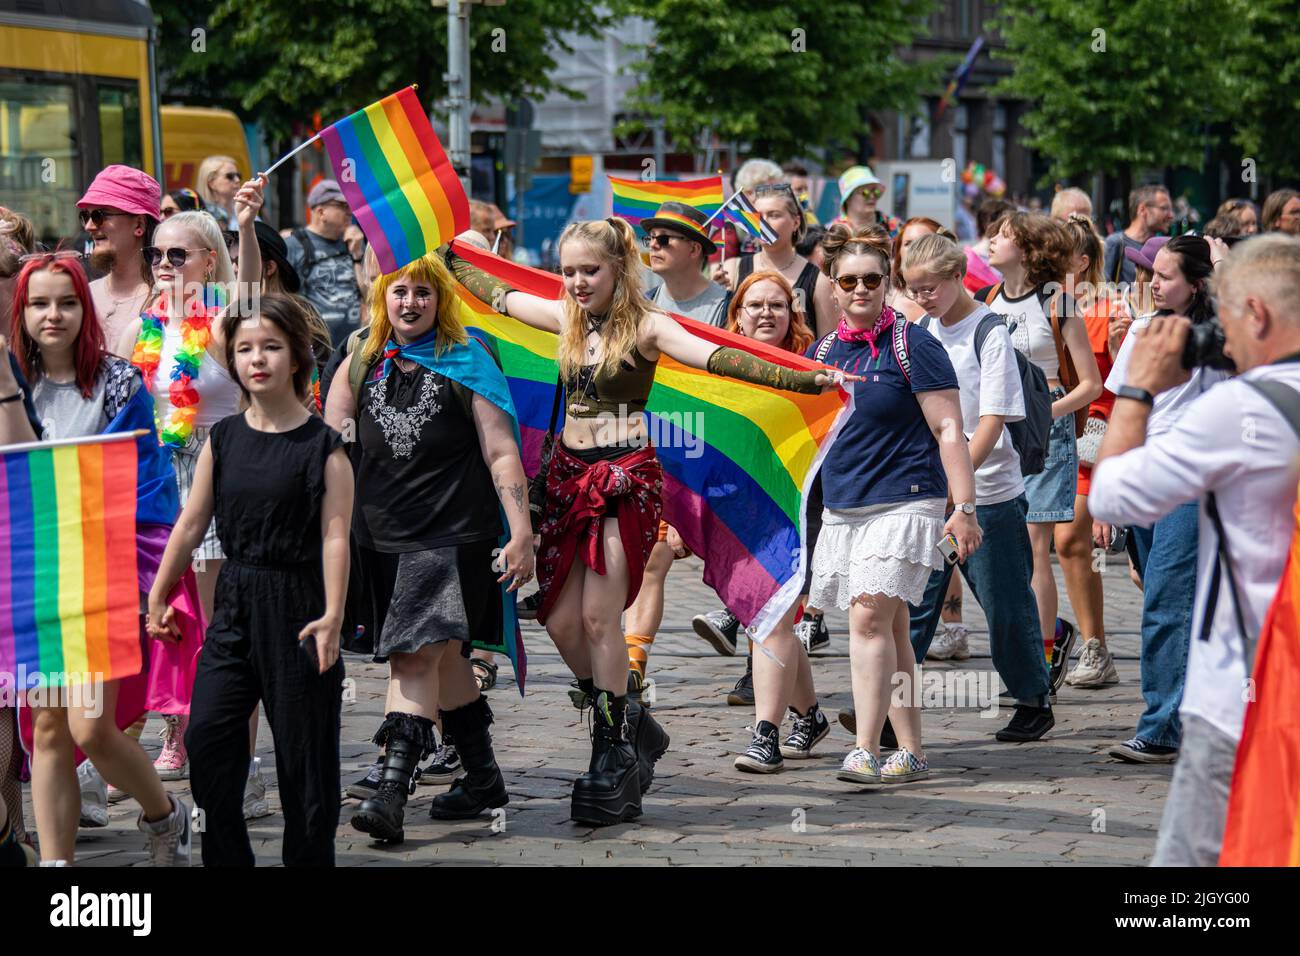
pixel 1204 348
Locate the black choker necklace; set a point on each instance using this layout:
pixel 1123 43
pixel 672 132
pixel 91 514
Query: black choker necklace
pixel 594 324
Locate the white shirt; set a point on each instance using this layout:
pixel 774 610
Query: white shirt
pixel 1031 329
pixel 1169 404
pixel 987 385
pixel 218 393
pixel 1232 441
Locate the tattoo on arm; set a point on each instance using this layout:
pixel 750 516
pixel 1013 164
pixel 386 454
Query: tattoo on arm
pixel 515 491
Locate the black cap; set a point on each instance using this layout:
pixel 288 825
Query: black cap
pixel 273 247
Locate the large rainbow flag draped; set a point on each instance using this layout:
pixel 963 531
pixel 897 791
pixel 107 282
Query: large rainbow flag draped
pixel 1263 825
pixel 636 199
pixel 738 459
pixel 69 598
pixel 397 179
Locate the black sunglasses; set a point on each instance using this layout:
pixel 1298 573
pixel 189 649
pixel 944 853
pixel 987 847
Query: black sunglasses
pixel 871 280
pixel 660 241
pixel 176 255
pixel 97 216
pixel 233 177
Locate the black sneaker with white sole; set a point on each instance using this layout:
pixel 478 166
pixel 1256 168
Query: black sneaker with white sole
pixel 764 753
pixel 367 785
pixel 1138 750
pixel 719 628
pixel 444 767
pixel 1061 648
pixel 808 731
pixel 1027 723
pixel 812 632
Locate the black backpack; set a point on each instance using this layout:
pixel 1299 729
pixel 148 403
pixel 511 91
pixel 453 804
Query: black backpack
pixel 1032 434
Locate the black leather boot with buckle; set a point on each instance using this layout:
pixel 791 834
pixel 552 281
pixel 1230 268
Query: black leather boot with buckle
pixel 482 787
pixel 610 791
pixel 407 740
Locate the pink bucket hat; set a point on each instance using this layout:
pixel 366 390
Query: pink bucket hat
pixel 124 188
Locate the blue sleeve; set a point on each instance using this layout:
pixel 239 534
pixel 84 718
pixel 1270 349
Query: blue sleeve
pixel 931 368
pixel 38 427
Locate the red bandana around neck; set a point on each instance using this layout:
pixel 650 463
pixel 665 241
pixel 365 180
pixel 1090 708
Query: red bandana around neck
pixel 847 333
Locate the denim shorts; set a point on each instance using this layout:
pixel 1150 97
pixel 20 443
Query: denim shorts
pixel 1051 492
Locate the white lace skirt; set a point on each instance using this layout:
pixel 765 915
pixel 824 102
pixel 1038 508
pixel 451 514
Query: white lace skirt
pixel 880 549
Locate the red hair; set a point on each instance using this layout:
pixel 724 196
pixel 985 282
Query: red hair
pixel 797 336
pixel 88 350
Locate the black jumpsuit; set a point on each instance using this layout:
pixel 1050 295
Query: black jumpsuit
pixel 268 492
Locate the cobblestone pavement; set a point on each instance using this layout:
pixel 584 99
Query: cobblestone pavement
pixel 1059 801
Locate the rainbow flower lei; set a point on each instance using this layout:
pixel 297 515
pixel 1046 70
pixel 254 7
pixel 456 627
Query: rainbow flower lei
pixel 196 333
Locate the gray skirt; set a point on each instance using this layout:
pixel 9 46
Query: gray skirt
pixel 427 597
pixel 185 460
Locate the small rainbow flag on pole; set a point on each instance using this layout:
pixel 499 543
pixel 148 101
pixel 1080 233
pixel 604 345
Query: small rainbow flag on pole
pixel 740 211
pixel 738 459
pixel 397 179
pixel 636 199
pixel 69 594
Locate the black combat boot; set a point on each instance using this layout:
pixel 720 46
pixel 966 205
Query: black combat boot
pixel 648 738
pixel 482 787
pixel 408 739
pixel 610 791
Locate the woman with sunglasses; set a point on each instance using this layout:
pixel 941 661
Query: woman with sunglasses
pixel 604 484
pixel 764 309
pixel 180 200
pixel 217 185
pixel 178 346
pixel 886 482
pixel 119 212
pixel 1034 253
pixel 777 204
pixel 78 390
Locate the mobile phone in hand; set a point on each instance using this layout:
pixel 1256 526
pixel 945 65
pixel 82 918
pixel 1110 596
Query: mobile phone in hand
pixel 947 546
pixel 308 646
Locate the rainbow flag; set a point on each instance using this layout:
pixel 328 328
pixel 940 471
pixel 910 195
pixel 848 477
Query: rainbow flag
pixel 397 179
pixel 738 459
pixel 1263 825
pixel 740 211
pixel 636 199
pixel 69 594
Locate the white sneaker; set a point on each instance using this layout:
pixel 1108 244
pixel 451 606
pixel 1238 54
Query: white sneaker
pixel 94 796
pixel 950 643
pixel 255 805
pixel 169 839
pixel 1096 667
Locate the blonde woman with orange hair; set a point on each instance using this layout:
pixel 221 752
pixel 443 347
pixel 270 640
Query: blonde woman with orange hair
pixel 438 467
pixel 604 482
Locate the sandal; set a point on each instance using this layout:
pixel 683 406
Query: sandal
pixel 485 674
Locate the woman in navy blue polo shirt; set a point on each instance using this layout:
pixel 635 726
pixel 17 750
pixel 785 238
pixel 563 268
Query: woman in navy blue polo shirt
pixel 886 483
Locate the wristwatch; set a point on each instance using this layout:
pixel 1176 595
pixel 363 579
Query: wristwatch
pixel 965 507
pixel 1137 394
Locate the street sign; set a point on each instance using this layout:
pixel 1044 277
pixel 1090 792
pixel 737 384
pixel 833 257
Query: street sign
pixel 580 168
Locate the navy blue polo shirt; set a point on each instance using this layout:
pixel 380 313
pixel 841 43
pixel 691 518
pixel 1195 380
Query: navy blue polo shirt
pixel 885 453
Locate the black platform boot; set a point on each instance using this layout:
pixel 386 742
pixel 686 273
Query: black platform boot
pixel 610 792
pixel 649 740
pixel 482 787
pixel 407 739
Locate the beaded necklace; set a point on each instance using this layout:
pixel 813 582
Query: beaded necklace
pixel 196 333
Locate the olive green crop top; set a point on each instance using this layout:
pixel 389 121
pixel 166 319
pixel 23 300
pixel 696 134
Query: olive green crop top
pixel 627 388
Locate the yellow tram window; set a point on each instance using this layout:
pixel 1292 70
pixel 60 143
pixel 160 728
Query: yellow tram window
pixel 119 126
pixel 40 153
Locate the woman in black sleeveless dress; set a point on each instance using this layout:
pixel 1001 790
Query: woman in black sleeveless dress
pixel 278 482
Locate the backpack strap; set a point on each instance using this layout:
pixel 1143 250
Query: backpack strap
pixel 1282 397
pixel 900 347
pixel 825 345
pixel 357 370
pixel 982 331
pixel 988 293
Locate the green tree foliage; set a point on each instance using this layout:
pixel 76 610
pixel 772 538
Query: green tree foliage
pixel 1264 76
pixel 1117 85
pixel 783 76
pixel 284 61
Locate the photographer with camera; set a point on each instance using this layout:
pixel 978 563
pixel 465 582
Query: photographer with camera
pixel 1236 452
pixel 1164 550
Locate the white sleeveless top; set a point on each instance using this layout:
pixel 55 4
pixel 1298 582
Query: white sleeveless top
pixel 218 393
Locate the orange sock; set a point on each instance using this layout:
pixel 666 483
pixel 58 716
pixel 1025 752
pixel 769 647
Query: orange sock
pixel 638 651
